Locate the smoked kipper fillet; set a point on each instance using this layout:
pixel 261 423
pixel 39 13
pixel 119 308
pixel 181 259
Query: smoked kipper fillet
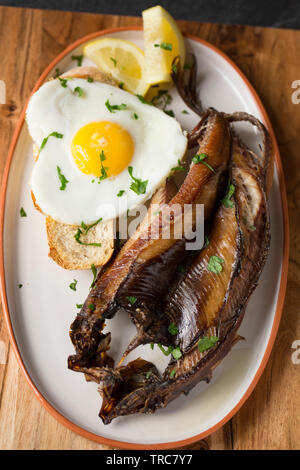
pixel 144 268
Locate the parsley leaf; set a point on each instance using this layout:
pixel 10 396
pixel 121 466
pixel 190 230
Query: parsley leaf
pixel 135 116
pixel 63 82
pixel 180 167
pixel 94 271
pixel 166 352
pixel 172 373
pixel 120 193
pixel 79 305
pixel 103 175
pixel 114 61
pixel 91 307
pixel 20 285
pixel 112 108
pixel 22 212
pixel 78 91
pixel 169 112
pixel 226 201
pixel 167 46
pixel 53 134
pixel 138 186
pixel 73 285
pixel 132 299
pixel 207 343
pixel 62 179
pixel 148 374
pixel 176 353
pixel 90 79
pixel 199 158
pixel 215 264
pixel 78 58
pixel 57 72
pixel 77 238
pixel 142 100
pixel 121 85
pixel 172 329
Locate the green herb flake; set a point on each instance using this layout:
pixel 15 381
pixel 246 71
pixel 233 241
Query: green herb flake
pixel 94 271
pixel 215 264
pixel 104 174
pixel 174 68
pixel 53 134
pixel 132 299
pixel 226 201
pixel 112 108
pixel 78 91
pixel 63 82
pixel 77 238
pixel 134 116
pixel 169 112
pixel 184 111
pixel 176 353
pixel 167 351
pixel 20 285
pixel 199 158
pixel 91 307
pixel 120 193
pixel 79 305
pixel 207 343
pixel 172 329
pixel 142 100
pixel 78 58
pixel 152 346
pixel 22 212
pixel 167 46
pixel 73 285
pixel 113 61
pixel 121 85
pixel 252 227
pixel 148 374
pixel 90 79
pixel 62 179
pixel 179 167
pixel 138 186
pixel 57 72
pixel 172 373
pixel 206 240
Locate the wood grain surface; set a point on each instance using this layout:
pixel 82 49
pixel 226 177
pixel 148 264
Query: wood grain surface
pixel 29 40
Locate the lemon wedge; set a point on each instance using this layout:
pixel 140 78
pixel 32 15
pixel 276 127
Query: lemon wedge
pixel 163 42
pixel 122 59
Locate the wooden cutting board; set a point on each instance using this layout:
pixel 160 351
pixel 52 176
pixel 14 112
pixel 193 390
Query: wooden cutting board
pixel 29 40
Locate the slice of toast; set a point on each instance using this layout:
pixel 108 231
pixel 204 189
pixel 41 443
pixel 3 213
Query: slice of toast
pixel 63 247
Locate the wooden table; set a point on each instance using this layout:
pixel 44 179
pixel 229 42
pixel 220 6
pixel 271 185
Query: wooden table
pixel 29 40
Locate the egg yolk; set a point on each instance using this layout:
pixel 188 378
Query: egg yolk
pixel 108 139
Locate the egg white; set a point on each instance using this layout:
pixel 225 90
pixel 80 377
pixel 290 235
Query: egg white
pixel 159 143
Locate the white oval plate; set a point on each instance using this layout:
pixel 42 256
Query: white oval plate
pixel 39 314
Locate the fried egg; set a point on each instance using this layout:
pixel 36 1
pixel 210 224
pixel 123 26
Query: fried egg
pixel 102 150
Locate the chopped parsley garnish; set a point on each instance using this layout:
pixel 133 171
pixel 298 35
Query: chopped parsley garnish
pixel 166 352
pixel 152 346
pixel 169 112
pixel 180 167
pixel 88 227
pixel 199 158
pixel 73 285
pixel 94 271
pixel 113 61
pixel 184 111
pixel 206 240
pixel 103 175
pixel 142 100
pixel 57 72
pixel 121 85
pixel 162 99
pixel 20 285
pixel 252 227
pixel 226 201
pixel 174 68
pixel 167 46
pixel 90 79
pixel 22 212
pixel 120 193
pixel 78 91
pixel 77 238
pixel 215 264
pixel 79 305
pixel 53 134
pixel 172 329
pixel 63 82
pixel 62 179
pixel 172 373
pixel 135 116
pixel 148 374
pixel 176 353
pixel 132 299
pixel 91 307
pixel 112 108
pixel 181 268
pixel 207 343
pixel 78 58
pixel 138 186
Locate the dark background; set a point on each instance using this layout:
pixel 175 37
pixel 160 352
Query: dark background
pixel 274 13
